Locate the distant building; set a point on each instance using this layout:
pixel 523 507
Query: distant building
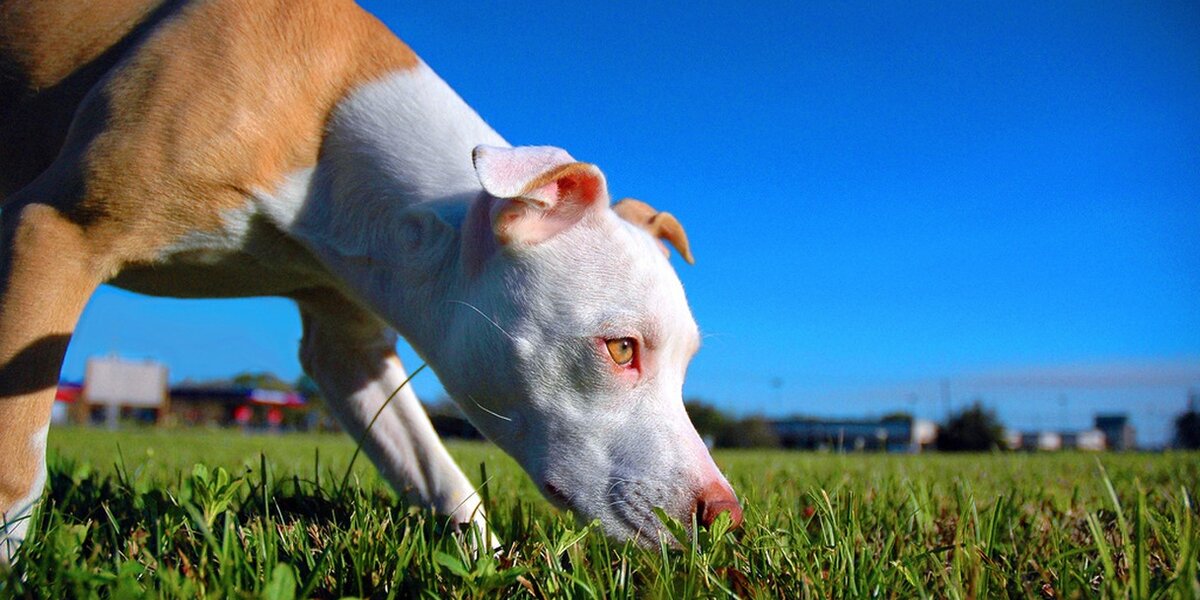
pixel 67 405
pixel 1117 430
pixel 891 435
pixel 1013 439
pixel 1045 441
pixel 117 387
pixel 1092 440
pixel 1112 432
pixel 246 408
pixel 1052 441
pixel 204 406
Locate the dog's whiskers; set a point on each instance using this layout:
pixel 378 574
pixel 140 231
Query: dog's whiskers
pixel 484 315
pixel 618 481
pixel 488 410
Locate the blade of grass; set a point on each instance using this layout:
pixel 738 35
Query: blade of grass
pixel 367 431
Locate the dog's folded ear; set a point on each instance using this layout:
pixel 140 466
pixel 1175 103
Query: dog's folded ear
pixel 541 191
pixel 660 225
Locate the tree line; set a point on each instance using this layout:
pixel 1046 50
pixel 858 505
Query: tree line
pixel 974 428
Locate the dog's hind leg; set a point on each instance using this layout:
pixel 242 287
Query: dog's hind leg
pixel 46 278
pixel 352 357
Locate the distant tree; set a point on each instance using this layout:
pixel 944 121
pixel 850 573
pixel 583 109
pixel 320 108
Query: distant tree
pixel 1187 430
pixel 261 381
pixel 216 382
pixel 900 416
pixel 752 432
pixel 710 421
pixel 318 416
pixel 974 429
pixel 306 387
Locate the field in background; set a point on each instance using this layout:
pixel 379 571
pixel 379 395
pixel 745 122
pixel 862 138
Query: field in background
pixel 145 521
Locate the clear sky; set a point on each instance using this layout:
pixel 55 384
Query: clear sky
pixel 879 195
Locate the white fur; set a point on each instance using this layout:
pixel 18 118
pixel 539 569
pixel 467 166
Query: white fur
pixel 16 522
pixel 400 141
pixel 616 449
pixel 283 204
pixel 503 177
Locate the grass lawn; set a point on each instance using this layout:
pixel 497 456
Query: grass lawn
pixel 266 517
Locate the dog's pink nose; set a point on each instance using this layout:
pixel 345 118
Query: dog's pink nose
pixel 715 499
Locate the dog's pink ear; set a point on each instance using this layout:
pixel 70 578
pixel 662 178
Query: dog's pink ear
pixel 541 191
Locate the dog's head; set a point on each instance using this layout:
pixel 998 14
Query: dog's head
pixel 572 341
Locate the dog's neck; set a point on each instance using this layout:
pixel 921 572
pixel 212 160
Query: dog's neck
pixel 386 202
pixel 405 139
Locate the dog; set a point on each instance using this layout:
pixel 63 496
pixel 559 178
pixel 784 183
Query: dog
pixel 232 148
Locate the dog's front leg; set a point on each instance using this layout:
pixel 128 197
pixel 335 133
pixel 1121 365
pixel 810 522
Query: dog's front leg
pixel 46 278
pixel 352 358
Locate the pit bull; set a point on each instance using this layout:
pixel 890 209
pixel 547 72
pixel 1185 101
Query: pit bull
pixel 232 148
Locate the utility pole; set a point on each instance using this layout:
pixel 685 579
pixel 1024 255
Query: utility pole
pixel 946 397
pixel 1062 405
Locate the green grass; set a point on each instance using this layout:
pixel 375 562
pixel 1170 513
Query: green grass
pixel 145 521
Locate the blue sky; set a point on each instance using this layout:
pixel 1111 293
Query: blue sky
pixel 879 195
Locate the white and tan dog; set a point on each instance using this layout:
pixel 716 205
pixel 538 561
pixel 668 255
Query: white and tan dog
pixel 225 148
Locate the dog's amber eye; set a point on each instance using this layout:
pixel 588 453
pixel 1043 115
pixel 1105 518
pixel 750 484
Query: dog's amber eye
pixel 621 350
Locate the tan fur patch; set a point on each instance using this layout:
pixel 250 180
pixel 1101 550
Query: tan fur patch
pixel 51 54
pixel 196 125
pixel 224 97
pixel 48 41
pixel 660 225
